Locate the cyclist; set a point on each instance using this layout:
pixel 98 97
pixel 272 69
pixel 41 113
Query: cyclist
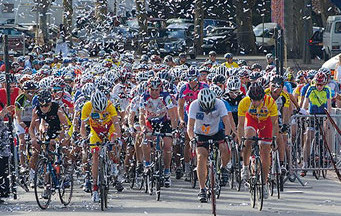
pixel 205 114
pixel 257 113
pixel 47 117
pixel 101 115
pixel 229 61
pixel 23 115
pixel 317 98
pixel 187 94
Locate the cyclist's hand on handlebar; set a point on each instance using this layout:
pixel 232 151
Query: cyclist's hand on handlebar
pixel 182 124
pixel 193 142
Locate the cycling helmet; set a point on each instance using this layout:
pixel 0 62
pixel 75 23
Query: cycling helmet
pixel 144 58
pixel 58 84
pixel 277 81
pixel 204 69
pixel 241 63
pixel 168 58
pixel 212 53
pixel 255 75
pixel 269 68
pixel 142 76
pixel 206 99
pixel 44 97
pixel 180 84
pixel 219 79
pixel 256 66
pixel 176 72
pixel 210 77
pixel 30 85
pixel 88 89
pixel 264 81
pixel 244 73
pixel 299 75
pixel 321 78
pixel 155 58
pixel 269 56
pixel 228 55
pixel 164 75
pixel 311 74
pixel 192 72
pixel 182 55
pixel 217 90
pixel 222 70
pixel 233 83
pixel 99 101
pixel 45 82
pixel 142 88
pixel 256 91
pixel 154 83
pixel 325 71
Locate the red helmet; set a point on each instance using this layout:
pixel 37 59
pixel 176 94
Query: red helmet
pixel 321 78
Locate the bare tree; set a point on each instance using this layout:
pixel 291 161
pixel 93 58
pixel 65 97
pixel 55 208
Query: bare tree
pixel 143 25
pixel 325 8
pixel 42 8
pixel 67 19
pixel 307 31
pixel 199 26
pixel 101 10
pixel 246 38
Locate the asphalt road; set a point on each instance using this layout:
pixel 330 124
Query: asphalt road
pixel 318 197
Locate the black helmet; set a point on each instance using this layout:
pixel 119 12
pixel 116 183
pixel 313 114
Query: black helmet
pixel 256 66
pixel 30 85
pixel 256 91
pixel 44 97
pixel 277 81
pixel 219 79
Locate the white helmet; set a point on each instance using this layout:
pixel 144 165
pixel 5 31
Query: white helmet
pixel 222 70
pixel 217 90
pixel 233 83
pixel 142 87
pixel 99 101
pixel 206 99
pixel 45 82
pixel 88 89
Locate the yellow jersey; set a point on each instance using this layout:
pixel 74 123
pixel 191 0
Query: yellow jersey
pixel 268 108
pixel 282 101
pixel 98 119
pixel 232 65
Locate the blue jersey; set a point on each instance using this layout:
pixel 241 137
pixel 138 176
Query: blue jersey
pixel 288 86
pixel 228 107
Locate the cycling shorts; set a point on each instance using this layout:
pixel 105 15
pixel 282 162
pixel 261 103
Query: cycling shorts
pixel 202 139
pixel 162 126
pixel 97 134
pixel 263 128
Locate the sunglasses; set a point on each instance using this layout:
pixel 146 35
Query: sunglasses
pixel 319 85
pixel 45 105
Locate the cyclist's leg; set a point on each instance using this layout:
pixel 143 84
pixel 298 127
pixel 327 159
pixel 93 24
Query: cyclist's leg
pixel 94 139
pixel 265 146
pixel 202 154
pixel 308 138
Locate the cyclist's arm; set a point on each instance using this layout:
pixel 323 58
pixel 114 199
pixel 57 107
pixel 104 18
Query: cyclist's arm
pixel 329 105
pixel 190 128
pixel 142 119
pixel 172 115
pixel 131 118
pixel 18 117
pixel 63 121
pixel 294 100
pixel 231 121
pixel 240 128
pixel 227 124
pixel 306 103
pixel 83 129
pixel 34 124
pixel 275 127
pixel 116 122
pixel 181 110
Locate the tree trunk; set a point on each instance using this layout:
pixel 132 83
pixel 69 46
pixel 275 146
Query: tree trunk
pixel 141 14
pixel 307 31
pixel 326 8
pixel 246 38
pixel 101 10
pixel 42 7
pixel 67 19
pixel 198 26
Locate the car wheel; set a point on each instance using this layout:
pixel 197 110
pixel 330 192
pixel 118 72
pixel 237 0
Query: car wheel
pixel 192 56
pixel 325 55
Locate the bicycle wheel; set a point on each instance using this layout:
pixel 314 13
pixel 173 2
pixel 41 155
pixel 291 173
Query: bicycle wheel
pixel 158 178
pixel 278 178
pixel 233 161
pixel 65 186
pixel 315 160
pixel 193 175
pixel 237 170
pixel 259 184
pixel 252 183
pixel 132 176
pixel 102 183
pixel 150 182
pixel 323 160
pixel 42 184
pixel 212 188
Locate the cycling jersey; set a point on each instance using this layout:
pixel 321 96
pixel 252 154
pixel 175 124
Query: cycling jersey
pixel 189 95
pixel 120 96
pixel 101 124
pixel 288 87
pixel 297 91
pixel 282 101
pixel 52 119
pixel 318 99
pixel 232 65
pixel 23 104
pixel 234 102
pixel 207 123
pixel 334 86
pixel 268 108
pixel 156 108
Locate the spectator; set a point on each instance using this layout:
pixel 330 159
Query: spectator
pixel 337 76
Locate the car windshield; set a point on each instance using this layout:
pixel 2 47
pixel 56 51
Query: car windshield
pixel 217 32
pixel 175 33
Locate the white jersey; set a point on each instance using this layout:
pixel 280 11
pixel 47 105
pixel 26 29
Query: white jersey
pixel 207 123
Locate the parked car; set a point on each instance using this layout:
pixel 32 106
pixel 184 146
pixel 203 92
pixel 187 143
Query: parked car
pixel 316 43
pixel 221 40
pixel 16 37
pixel 265 36
pixel 332 37
pixel 178 38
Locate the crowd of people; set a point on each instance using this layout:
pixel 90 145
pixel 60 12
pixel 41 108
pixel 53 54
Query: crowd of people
pixel 74 100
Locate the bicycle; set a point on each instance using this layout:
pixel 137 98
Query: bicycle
pixel 51 175
pixel 275 172
pixel 235 176
pixel 256 182
pixel 193 167
pixel 178 162
pixel 213 177
pixel 154 177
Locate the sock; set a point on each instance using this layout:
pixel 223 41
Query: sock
pixel 166 171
